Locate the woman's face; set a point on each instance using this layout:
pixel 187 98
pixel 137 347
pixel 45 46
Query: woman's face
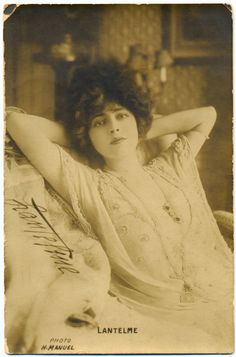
pixel 114 132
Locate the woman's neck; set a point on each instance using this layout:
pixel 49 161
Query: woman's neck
pixel 127 165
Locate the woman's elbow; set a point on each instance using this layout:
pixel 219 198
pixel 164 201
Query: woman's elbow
pixel 13 119
pixel 212 114
pixel 10 118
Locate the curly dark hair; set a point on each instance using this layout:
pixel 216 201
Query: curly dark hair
pixel 91 89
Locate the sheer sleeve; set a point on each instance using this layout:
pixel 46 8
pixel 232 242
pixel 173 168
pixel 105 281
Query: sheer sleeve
pixel 178 166
pixel 179 157
pixel 177 161
pixel 80 181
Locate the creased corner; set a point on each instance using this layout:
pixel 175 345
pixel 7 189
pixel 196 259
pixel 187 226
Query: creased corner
pixel 8 10
pixel 228 7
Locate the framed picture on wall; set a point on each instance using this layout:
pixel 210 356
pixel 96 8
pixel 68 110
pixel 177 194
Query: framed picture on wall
pixel 188 35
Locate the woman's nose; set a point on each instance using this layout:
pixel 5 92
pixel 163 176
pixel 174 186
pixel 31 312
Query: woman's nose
pixel 114 130
pixel 114 126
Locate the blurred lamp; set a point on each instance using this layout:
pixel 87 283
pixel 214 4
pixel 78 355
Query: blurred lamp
pixel 64 50
pixel 164 60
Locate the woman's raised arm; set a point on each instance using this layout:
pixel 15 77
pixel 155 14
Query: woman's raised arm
pixel 196 124
pixel 36 137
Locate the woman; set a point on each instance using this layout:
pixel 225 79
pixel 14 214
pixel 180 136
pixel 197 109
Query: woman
pixel 168 259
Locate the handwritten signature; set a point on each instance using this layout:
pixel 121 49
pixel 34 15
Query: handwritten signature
pixel 36 223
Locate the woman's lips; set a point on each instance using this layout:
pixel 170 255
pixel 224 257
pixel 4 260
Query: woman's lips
pixel 117 140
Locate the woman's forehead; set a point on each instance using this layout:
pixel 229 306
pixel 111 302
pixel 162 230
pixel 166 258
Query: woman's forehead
pixel 113 107
pixel 109 107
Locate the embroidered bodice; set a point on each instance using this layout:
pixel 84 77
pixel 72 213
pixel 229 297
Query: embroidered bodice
pixel 169 244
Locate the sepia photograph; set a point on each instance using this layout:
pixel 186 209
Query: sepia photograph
pixel 118 179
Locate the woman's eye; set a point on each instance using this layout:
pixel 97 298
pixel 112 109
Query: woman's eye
pixel 98 123
pixel 122 115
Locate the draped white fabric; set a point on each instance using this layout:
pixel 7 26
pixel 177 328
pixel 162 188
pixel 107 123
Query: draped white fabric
pixel 44 286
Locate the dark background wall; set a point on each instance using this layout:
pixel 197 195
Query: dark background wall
pixel 36 80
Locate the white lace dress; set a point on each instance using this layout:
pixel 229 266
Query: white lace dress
pixel 168 260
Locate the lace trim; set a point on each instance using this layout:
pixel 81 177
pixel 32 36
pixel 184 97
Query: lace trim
pixel 114 182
